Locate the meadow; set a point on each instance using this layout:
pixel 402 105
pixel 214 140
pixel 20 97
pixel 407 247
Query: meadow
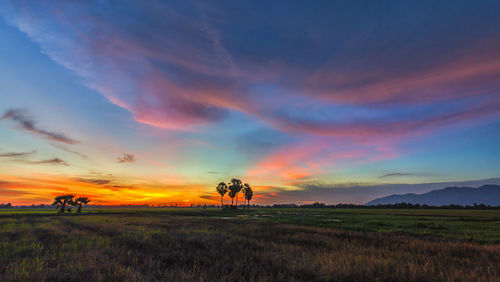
pixel 258 244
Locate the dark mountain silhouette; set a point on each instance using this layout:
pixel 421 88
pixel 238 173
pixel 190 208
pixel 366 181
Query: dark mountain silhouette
pixel 486 194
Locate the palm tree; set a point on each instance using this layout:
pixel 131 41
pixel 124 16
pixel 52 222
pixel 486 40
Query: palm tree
pixel 231 195
pixel 244 190
pixel 222 190
pixel 248 192
pixel 235 187
pixel 62 201
pixel 81 201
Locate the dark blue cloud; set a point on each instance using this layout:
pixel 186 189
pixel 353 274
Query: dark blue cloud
pixel 28 124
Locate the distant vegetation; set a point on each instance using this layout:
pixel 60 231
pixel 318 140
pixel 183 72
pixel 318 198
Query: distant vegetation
pixel 248 197
pixel 234 187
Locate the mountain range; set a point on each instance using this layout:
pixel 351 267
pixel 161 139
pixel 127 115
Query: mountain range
pixel 486 194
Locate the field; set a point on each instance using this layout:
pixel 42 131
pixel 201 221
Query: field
pixel 258 244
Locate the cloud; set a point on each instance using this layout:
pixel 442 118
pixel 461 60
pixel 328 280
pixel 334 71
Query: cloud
pixel 470 74
pixel 28 124
pixel 118 187
pixel 122 64
pixel 396 174
pixel 209 197
pixel 94 181
pixel 396 127
pixel 16 154
pixel 127 158
pixel 403 174
pixel 70 151
pixel 301 160
pixel 211 68
pixel 54 161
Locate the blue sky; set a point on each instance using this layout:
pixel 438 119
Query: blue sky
pixel 285 95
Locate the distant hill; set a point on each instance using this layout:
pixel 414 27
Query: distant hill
pixel 486 194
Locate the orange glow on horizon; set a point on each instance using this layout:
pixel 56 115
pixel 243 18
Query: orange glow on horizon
pixel 41 189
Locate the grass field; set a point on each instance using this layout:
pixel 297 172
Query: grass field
pixel 259 244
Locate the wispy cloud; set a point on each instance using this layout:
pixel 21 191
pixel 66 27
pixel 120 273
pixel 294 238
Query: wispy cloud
pixel 403 174
pixel 70 151
pixel 54 161
pixel 209 197
pixel 396 174
pixel 119 187
pixel 127 158
pixel 20 157
pixel 20 117
pixel 94 181
pixel 16 154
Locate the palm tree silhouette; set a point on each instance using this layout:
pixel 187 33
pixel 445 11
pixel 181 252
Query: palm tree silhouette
pixel 222 190
pixel 231 195
pixel 235 187
pixel 81 201
pixel 248 192
pixel 62 201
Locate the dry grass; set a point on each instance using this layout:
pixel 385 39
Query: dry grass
pixel 168 247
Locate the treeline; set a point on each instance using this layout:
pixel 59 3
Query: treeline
pixel 314 205
pixel 386 206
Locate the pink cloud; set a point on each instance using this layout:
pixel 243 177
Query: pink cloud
pixel 395 128
pixel 472 74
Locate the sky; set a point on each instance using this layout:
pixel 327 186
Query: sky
pixel 156 102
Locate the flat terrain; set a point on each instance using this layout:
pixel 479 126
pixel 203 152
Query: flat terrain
pixel 259 244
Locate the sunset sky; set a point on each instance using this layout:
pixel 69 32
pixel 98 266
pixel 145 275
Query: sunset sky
pixel 155 103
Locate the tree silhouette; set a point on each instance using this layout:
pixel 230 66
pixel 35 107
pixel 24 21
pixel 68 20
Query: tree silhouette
pixel 235 187
pixel 244 190
pixel 222 190
pixel 81 201
pixel 231 195
pixel 62 201
pixel 248 192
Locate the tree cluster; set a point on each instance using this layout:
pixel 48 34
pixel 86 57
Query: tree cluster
pixel 65 203
pixel 233 188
